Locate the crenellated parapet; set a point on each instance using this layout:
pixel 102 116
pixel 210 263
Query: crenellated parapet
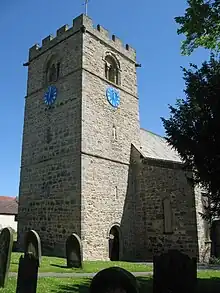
pixel 84 24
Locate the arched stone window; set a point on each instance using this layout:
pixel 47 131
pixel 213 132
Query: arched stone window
pixel 52 70
pixel 112 69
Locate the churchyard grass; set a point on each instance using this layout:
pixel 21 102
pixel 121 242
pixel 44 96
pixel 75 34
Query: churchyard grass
pixel 208 282
pixel 58 265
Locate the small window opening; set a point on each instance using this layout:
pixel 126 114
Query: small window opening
pixel 114 133
pixel 116 192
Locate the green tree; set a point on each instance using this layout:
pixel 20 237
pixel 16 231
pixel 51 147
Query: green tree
pixel 200 25
pixel 193 128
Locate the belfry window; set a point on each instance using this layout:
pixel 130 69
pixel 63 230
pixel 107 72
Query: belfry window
pixel 112 69
pixel 52 70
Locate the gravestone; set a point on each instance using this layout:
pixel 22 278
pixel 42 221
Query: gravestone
pixel 33 244
pixel 74 252
pixel 114 280
pixel 6 243
pixel 27 274
pixel 174 272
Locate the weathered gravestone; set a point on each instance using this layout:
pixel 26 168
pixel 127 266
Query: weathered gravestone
pixel 6 243
pixel 74 251
pixel 114 280
pixel 27 274
pixel 174 272
pixel 33 244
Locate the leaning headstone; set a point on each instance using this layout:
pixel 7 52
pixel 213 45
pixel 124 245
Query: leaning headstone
pixel 33 244
pixel 27 274
pixel 113 280
pixel 74 251
pixel 6 243
pixel 174 272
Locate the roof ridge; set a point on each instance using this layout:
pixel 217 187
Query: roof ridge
pixel 3 197
pixel 8 205
pixel 152 132
pixel 155 146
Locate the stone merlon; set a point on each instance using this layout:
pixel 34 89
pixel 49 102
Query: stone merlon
pixel 80 22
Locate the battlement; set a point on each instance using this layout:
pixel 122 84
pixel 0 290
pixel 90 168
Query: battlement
pixel 82 23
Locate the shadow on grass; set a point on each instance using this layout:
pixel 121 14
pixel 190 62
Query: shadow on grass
pixel 52 255
pixel 146 286
pixel 58 266
pixel 211 285
pixel 83 287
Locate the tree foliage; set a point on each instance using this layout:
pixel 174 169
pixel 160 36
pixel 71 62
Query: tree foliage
pixel 193 127
pixel 200 25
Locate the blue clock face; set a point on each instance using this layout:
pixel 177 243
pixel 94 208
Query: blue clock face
pixel 113 97
pixel 50 95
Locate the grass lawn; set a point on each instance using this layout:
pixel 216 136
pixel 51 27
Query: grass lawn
pixel 58 265
pixel 208 282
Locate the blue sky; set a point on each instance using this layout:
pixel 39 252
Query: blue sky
pixel 148 26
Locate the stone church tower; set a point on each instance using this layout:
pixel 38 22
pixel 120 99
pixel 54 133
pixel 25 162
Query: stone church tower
pixel 81 120
pixel 87 167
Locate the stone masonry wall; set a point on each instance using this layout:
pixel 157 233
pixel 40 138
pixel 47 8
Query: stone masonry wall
pixel 49 196
pixel 98 116
pixel 204 242
pixel 105 160
pixel 50 184
pixel 155 181
pixel 106 201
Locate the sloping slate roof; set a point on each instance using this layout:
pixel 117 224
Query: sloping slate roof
pixel 155 147
pixel 8 205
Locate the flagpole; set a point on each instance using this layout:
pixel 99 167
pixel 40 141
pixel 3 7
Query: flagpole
pixel 86 7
